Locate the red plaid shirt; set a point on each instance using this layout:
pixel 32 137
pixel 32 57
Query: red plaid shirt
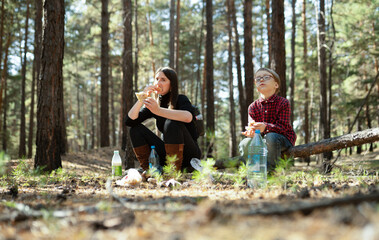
pixel 275 113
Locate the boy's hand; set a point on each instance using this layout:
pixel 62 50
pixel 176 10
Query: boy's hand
pixel 250 130
pixel 260 125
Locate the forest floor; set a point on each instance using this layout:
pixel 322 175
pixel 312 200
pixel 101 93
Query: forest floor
pixel 77 204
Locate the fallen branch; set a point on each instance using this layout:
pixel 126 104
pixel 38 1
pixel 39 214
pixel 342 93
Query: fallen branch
pixel 331 144
pixel 326 145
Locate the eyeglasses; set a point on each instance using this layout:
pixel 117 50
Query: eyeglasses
pixel 262 79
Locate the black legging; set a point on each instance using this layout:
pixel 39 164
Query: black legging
pixel 174 132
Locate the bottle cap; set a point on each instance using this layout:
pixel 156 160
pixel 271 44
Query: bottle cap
pixel 152 146
pixel 115 151
pixel 257 131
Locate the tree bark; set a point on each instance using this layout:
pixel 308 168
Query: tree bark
pixel 85 139
pixel 198 72
pixel 4 76
pixel 323 124
pixel 104 108
pixel 278 50
pixel 48 153
pixel 36 71
pixel 177 35
pixel 292 80
pixel 92 115
pixel 112 112
pixel 127 83
pixel 232 117
pixel 325 145
pixel 210 125
pixel 305 78
pixel 331 144
pixel 242 98
pixel 172 34
pixel 268 16
pixel 1 32
pixel 22 146
pixel 151 36
pixel 249 66
pixel 136 47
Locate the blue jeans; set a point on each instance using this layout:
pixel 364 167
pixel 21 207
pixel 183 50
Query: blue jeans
pixel 276 143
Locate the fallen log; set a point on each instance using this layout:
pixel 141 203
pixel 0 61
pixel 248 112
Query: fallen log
pixel 331 144
pixel 326 145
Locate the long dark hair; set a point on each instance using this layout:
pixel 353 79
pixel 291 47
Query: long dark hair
pixel 173 77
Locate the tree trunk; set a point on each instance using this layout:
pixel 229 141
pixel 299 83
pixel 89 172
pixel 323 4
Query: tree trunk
pixel 210 125
pixel 48 153
pixel 85 141
pixel 324 130
pixel 269 38
pixel 31 118
pixel 22 146
pixel 93 117
pixel 325 145
pixel 172 34
pixel 127 83
pixel 292 80
pixel 104 109
pixel 177 35
pixel 198 72
pixel 306 81
pixel 151 36
pixel 359 128
pixel 36 70
pixel 232 117
pixel 113 113
pixel 4 76
pixel 1 32
pixel 278 49
pixel 249 66
pixel 329 92
pixel 369 125
pixel 136 47
pixel 331 144
pixel 242 98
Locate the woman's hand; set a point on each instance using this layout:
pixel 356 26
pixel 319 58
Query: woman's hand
pixel 151 88
pixel 152 105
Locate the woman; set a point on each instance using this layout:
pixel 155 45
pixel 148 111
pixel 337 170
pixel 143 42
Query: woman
pixel 174 118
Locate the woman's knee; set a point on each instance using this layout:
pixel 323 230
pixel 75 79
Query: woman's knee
pixel 136 130
pixel 172 126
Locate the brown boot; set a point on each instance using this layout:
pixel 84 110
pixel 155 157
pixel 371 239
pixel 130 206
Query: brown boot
pixel 142 154
pixel 175 149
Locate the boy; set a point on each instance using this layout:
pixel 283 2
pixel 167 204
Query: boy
pixel 271 115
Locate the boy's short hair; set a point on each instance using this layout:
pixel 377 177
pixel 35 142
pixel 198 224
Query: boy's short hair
pixel 274 75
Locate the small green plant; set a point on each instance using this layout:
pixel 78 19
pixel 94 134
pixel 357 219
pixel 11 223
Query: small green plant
pixel 280 176
pixel 205 175
pixel 156 175
pixel 169 171
pixel 4 158
pixel 338 174
pixel 240 177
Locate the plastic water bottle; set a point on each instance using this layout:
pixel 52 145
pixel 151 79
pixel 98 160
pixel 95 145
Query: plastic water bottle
pixel 257 162
pixel 154 165
pixel 116 164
